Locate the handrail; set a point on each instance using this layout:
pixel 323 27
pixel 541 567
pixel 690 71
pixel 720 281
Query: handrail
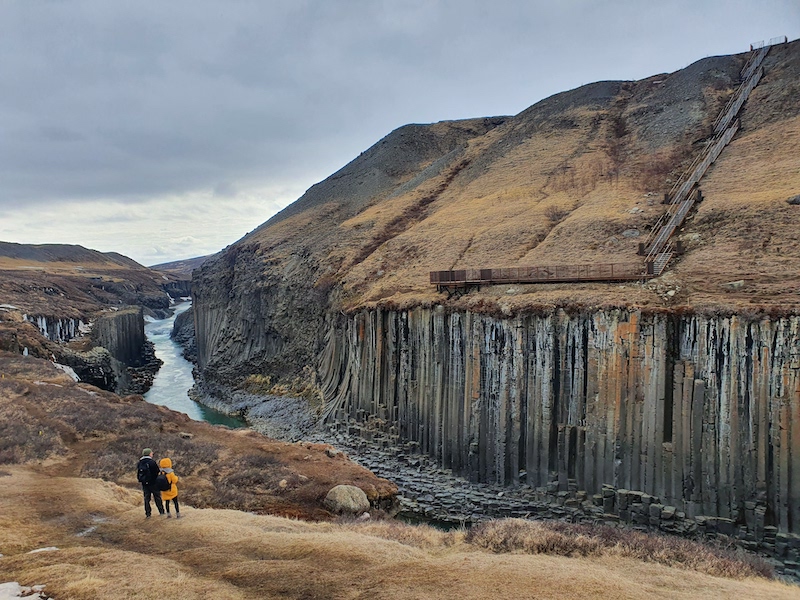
pixel 683 200
pixel 539 274
pixel 752 64
pixel 739 98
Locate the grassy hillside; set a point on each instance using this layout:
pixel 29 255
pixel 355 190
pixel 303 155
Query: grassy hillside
pixel 576 178
pixel 181 268
pixel 73 429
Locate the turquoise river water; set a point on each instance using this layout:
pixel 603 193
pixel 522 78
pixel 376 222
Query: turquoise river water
pixel 174 379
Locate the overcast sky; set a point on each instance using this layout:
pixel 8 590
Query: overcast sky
pixel 168 130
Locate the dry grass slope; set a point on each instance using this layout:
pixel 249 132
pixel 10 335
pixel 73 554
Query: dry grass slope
pixel 77 430
pixel 104 542
pixel 575 178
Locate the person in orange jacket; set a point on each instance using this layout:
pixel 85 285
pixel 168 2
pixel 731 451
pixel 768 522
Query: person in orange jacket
pixel 172 494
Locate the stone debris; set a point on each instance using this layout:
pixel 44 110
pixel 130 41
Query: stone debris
pixel 429 493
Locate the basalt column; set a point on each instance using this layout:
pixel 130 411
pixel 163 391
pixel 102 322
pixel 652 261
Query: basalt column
pixel 702 412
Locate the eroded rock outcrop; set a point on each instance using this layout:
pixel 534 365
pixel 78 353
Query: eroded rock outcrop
pixel 183 334
pixel 121 332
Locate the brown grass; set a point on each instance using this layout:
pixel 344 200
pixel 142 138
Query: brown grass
pixel 104 542
pixel 74 429
pixel 566 539
pixel 562 191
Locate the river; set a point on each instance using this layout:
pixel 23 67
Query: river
pixel 174 379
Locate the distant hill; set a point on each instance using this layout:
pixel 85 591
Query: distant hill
pixel 63 253
pixel 70 281
pixel 182 268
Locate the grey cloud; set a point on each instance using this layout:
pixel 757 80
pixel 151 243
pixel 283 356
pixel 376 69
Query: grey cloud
pixel 130 101
pixel 225 189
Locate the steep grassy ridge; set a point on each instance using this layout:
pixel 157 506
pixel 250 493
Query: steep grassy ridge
pixel 561 183
pixel 574 179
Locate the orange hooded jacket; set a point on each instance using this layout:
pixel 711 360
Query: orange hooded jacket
pixel 166 467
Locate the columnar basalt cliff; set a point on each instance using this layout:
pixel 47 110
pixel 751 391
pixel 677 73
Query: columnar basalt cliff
pixel 57 329
pixel 697 410
pixel 687 389
pixel 121 332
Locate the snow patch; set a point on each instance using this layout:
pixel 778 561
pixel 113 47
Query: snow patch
pixel 47 549
pixel 68 370
pixel 12 589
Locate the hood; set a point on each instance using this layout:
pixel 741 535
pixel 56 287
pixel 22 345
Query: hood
pixel 165 463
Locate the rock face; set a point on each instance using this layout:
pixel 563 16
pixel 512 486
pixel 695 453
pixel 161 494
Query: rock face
pixel 346 499
pixel 133 358
pixel 122 334
pixel 183 334
pixel 699 411
pixel 96 367
pixel 57 329
pixel 496 383
pixel 180 288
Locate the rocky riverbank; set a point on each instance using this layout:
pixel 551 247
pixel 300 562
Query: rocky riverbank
pixel 278 417
pixel 429 493
pixel 432 494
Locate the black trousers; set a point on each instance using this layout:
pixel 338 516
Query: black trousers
pixel 156 494
pixel 177 508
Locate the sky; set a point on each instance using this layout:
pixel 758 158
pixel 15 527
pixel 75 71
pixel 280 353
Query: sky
pixel 168 130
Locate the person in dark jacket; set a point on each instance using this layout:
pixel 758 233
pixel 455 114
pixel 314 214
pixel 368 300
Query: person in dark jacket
pixel 147 471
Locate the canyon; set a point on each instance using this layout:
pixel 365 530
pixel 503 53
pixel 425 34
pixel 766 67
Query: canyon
pixel 83 309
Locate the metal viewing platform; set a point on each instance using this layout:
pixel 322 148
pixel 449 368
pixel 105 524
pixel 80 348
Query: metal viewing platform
pixel 548 274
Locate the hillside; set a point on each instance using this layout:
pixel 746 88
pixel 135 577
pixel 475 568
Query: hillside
pixel 74 429
pixel 99 543
pixel 181 268
pixel 576 178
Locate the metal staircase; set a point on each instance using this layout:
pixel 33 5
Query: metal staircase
pixel 684 193
pixel 658 249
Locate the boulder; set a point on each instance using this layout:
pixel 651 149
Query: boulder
pixel 346 499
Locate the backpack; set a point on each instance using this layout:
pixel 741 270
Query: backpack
pixel 162 483
pixel 143 472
